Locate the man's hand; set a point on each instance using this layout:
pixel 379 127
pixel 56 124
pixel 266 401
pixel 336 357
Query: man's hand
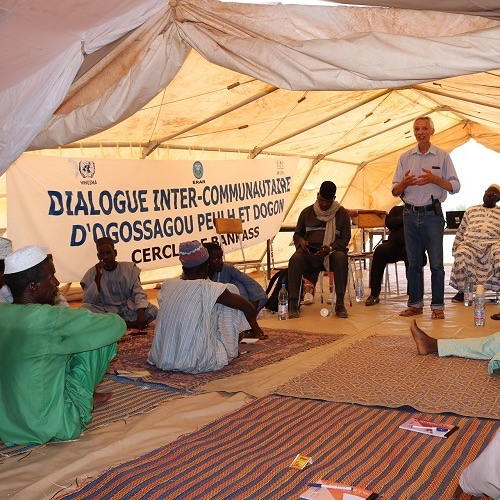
pixel 427 178
pixel 98 274
pixel 303 246
pixel 324 251
pixel 142 321
pixel 409 180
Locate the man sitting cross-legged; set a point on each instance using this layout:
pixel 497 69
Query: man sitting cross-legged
pixel 199 321
pixel 473 348
pixel 51 358
pixel 112 286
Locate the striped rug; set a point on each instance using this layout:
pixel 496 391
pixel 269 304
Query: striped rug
pixel 246 455
pixel 133 354
pixel 387 371
pixel 128 399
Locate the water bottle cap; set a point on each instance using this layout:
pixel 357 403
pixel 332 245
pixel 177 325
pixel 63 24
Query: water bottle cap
pixel 480 290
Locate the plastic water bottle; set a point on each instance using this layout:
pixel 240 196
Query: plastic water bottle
pixel 358 285
pixel 468 291
pixel 283 303
pixel 479 306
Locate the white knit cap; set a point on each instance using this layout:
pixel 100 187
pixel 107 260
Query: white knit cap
pixel 23 259
pixel 5 247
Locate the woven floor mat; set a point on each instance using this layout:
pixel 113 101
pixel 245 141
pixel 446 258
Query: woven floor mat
pixel 387 371
pixel 133 353
pixel 127 399
pixel 246 455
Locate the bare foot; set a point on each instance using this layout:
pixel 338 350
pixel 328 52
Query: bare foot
pixel 252 334
pixel 101 397
pixel 425 344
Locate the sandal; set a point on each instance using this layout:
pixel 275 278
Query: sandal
pixel 495 316
pixel 437 314
pixel 412 311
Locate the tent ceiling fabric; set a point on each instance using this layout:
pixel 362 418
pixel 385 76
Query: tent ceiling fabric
pixel 337 86
pixel 351 50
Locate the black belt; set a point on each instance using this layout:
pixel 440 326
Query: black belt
pixel 423 208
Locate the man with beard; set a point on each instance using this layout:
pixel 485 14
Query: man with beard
pixel 52 358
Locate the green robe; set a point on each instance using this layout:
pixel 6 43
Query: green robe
pixel 51 359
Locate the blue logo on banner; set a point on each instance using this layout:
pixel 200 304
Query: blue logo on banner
pixel 198 169
pixel 86 169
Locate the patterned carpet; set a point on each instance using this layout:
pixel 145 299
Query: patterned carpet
pixel 128 399
pixel 246 455
pixel 386 371
pixel 133 353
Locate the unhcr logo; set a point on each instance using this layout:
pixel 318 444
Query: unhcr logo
pixel 198 172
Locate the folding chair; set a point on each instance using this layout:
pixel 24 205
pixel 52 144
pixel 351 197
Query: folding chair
pixel 367 220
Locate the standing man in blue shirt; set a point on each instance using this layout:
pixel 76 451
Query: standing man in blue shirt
pixel 424 176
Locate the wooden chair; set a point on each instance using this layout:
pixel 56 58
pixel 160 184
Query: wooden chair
pixel 235 227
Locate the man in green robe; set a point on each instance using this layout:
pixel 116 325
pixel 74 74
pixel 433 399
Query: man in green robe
pixel 51 358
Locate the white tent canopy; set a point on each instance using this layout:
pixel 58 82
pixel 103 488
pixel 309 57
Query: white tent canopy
pixel 338 86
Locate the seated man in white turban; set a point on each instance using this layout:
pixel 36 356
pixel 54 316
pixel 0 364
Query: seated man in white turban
pixel 477 245
pixel 51 358
pixel 199 322
pixel 115 287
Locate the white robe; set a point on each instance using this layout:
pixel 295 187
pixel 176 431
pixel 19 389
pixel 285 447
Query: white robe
pixel 193 333
pixel 477 249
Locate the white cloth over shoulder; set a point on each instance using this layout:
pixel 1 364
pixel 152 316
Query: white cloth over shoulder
pixel 193 333
pixel 483 475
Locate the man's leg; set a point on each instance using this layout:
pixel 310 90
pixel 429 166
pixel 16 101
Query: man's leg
pixel 462 265
pixel 300 264
pixel 480 348
pixel 414 250
pixel 85 371
pixel 433 231
pixel 383 255
pixel 339 264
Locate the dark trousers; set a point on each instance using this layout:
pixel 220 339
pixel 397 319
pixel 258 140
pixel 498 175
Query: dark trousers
pixel 309 266
pixel 386 253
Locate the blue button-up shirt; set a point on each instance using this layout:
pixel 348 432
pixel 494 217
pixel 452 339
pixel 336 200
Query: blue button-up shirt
pixel 438 162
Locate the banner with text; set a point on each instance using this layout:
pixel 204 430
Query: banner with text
pixel 147 207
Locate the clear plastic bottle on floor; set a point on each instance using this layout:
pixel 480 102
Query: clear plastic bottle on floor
pixel 358 285
pixel 283 303
pixel 479 306
pixel 468 290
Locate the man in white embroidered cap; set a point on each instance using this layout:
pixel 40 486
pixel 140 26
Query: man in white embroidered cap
pixel 52 358
pixel 199 321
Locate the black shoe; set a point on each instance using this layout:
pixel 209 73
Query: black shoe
pixel 293 313
pixel 341 311
pixel 371 301
pixel 459 297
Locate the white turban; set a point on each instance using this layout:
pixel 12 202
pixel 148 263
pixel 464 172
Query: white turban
pixel 496 186
pixel 24 258
pixel 5 247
